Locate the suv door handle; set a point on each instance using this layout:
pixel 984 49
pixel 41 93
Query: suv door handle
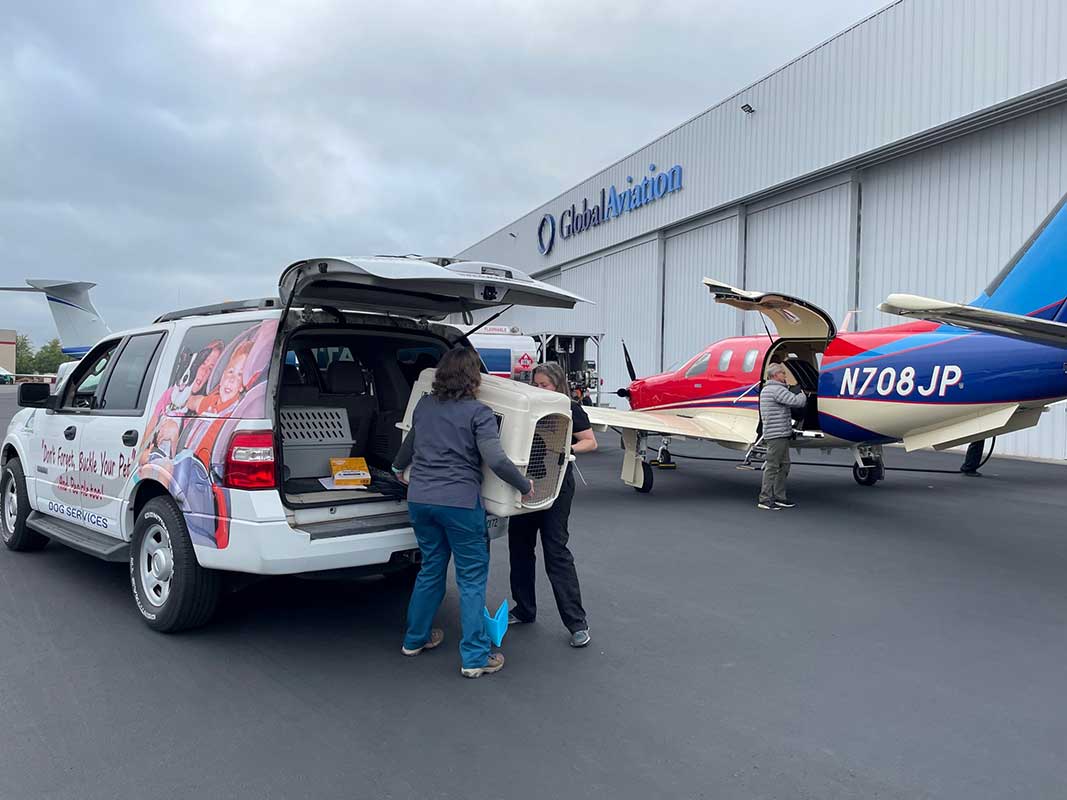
pixel 70 433
pixel 129 438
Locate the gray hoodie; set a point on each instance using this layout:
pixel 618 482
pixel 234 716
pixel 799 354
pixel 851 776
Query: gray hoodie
pixel 775 401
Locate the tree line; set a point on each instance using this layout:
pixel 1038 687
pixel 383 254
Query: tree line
pixel 38 362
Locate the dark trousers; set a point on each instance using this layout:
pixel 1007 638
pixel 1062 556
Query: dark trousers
pixel 973 457
pixel 559 563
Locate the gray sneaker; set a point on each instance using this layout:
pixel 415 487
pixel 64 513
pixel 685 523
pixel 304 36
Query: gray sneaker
pixel 580 638
pixel 495 663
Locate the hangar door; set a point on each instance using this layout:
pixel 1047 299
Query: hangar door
pixel 622 286
pixel 691 319
pixel 801 247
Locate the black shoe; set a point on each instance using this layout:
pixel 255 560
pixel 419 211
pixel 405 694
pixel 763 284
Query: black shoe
pixel 515 620
pixel 975 474
pixel 785 504
pixel 767 506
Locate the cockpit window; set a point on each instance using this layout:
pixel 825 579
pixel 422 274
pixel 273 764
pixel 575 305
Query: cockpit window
pixel 700 366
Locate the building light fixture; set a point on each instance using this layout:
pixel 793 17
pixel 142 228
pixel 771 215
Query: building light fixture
pixel 748 109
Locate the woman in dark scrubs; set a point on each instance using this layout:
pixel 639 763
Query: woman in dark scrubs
pixel 552 524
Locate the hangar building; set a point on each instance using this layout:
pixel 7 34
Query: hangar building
pixel 914 152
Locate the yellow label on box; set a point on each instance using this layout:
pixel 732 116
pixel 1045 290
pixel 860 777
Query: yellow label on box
pixel 350 471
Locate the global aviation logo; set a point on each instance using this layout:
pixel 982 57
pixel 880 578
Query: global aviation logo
pixel 612 203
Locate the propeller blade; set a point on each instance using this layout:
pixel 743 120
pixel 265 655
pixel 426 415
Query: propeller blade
pixel 629 363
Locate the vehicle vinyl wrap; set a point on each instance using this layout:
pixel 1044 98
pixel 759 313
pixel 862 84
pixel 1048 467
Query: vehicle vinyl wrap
pixel 219 378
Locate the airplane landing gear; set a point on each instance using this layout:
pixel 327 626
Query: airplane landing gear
pixel 865 476
pixel 646 484
pixel 868 468
pixel 663 458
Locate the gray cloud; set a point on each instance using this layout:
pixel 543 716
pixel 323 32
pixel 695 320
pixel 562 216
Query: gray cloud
pixel 180 154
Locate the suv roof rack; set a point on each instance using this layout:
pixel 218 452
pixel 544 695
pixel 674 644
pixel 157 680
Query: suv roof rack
pixel 233 307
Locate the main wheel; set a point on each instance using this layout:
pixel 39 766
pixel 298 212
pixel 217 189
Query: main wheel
pixel 172 591
pixel 865 476
pixel 646 471
pixel 14 509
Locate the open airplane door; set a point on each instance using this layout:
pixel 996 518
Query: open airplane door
pixel 793 318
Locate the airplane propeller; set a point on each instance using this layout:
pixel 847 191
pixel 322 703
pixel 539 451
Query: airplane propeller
pixel 629 364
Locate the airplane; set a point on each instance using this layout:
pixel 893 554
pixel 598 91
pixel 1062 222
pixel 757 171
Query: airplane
pixel 954 374
pixel 79 324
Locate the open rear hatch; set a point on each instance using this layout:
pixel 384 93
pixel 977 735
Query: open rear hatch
pixel 345 383
pixel 415 287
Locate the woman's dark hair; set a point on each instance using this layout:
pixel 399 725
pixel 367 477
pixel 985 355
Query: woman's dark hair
pixel 459 374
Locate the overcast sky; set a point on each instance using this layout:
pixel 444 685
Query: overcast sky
pixel 184 153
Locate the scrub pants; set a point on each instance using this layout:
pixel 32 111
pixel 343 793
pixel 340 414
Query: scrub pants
pixel 443 532
pixel 775 471
pixel 559 563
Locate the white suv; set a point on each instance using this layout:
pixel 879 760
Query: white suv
pixel 201 443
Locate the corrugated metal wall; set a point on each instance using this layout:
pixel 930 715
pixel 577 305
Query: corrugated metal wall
pixel 626 307
pixel 801 248
pixel 914 67
pixel 943 222
pixel 691 319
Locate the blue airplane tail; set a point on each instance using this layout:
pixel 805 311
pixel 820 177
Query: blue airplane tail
pixel 1034 282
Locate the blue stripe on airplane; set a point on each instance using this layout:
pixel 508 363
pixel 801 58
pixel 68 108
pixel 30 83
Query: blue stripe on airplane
pixel 62 302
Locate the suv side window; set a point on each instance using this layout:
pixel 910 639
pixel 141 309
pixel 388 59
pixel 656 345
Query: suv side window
pixel 84 383
pixel 131 376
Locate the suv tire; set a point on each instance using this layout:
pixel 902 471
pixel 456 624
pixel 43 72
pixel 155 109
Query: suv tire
pixel 14 509
pixel 172 591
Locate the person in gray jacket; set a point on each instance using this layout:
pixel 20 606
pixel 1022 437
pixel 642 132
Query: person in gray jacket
pixel 452 435
pixel 776 401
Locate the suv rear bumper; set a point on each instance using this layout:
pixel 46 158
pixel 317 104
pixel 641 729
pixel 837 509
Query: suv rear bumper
pixel 275 548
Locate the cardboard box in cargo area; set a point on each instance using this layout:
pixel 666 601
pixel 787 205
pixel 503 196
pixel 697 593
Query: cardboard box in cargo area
pixel 350 472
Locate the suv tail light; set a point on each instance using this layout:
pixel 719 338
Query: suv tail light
pixel 250 461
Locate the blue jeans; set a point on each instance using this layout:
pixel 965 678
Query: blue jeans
pixel 443 531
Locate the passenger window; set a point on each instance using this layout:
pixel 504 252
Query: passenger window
pixel 87 381
pixel 700 366
pixel 749 363
pixel 127 387
pixel 724 360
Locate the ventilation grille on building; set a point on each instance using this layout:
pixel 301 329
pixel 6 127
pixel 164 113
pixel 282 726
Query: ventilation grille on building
pixel 315 425
pixel 548 457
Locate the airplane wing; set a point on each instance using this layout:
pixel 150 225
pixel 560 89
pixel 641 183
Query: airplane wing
pixel 1016 326
pixel 724 425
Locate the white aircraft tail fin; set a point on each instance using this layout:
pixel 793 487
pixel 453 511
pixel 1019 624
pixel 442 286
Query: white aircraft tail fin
pixel 77 321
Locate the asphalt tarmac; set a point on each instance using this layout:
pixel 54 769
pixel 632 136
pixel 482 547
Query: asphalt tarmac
pixel 901 641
